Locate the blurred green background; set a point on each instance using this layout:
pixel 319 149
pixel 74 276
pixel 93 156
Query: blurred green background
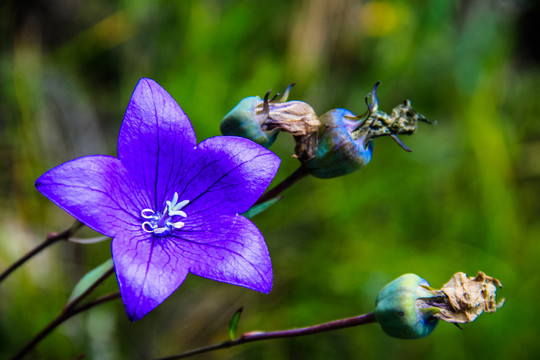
pixel 466 199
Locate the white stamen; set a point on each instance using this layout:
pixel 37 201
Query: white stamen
pixel 176 225
pixel 172 208
pixel 160 230
pixel 143 213
pixel 147 223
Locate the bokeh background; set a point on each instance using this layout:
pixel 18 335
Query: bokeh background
pixel 466 199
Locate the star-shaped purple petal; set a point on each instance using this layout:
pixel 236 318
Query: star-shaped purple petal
pixel 171 206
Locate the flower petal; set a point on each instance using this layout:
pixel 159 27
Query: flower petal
pixel 229 249
pixel 95 190
pixel 146 271
pixel 155 139
pixel 227 176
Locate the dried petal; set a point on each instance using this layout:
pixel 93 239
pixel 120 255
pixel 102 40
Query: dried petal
pixel 469 297
pixel 299 119
pixel 261 120
pixel 295 117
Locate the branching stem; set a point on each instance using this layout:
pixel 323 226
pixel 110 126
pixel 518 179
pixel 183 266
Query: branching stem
pixel 258 336
pixel 68 312
pixel 52 238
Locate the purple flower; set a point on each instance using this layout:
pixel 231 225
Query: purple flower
pixel 170 205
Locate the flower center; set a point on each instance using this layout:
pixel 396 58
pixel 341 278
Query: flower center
pixel 162 223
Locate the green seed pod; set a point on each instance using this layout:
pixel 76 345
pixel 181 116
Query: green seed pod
pixel 342 145
pixel 401 308
pixel 245 120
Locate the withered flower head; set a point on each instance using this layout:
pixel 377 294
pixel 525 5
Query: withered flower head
pixel 261 119
pixel 468 297
pixel 345 140
pixel 297 118
pixel 336 144
pixel 408 308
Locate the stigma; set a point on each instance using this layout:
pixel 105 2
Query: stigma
pixel 163 223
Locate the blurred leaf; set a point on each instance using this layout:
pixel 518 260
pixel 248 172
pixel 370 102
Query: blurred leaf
pixel 233 324
pixel 93 240
pixel 257 209
pixel 89 279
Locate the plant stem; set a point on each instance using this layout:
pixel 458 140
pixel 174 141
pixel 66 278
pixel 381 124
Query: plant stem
pixel 51 239
pixel 68 312
pixel 258 336
pixel 300 173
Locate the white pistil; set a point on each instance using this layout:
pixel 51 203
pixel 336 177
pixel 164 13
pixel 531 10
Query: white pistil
pixel 174 207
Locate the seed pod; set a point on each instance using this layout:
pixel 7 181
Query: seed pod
pixel 399 311
pixel 342 145
pixel 246 119
pixel 408 308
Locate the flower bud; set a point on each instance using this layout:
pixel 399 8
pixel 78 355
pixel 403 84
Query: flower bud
pixel 342 145
pixel 245 120
pixel 399 308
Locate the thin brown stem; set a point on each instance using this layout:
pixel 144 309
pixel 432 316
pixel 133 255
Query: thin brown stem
pixel 98 301
pixel 68 312
pixel 258 336
pixel 51 239
pixel 300 173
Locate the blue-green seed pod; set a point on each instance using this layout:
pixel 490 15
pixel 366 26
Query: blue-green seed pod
pixel 245 120
pixel 342 147
pixel 401 311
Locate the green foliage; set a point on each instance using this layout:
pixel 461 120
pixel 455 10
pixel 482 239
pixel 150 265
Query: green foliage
pixel 233 324
pixel 257 209
pixel 89 279
pixel 465 199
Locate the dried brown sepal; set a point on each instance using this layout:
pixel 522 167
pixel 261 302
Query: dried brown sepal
pixel 306 146
pixel 465 298
pixel 297 118
pixel 403 121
